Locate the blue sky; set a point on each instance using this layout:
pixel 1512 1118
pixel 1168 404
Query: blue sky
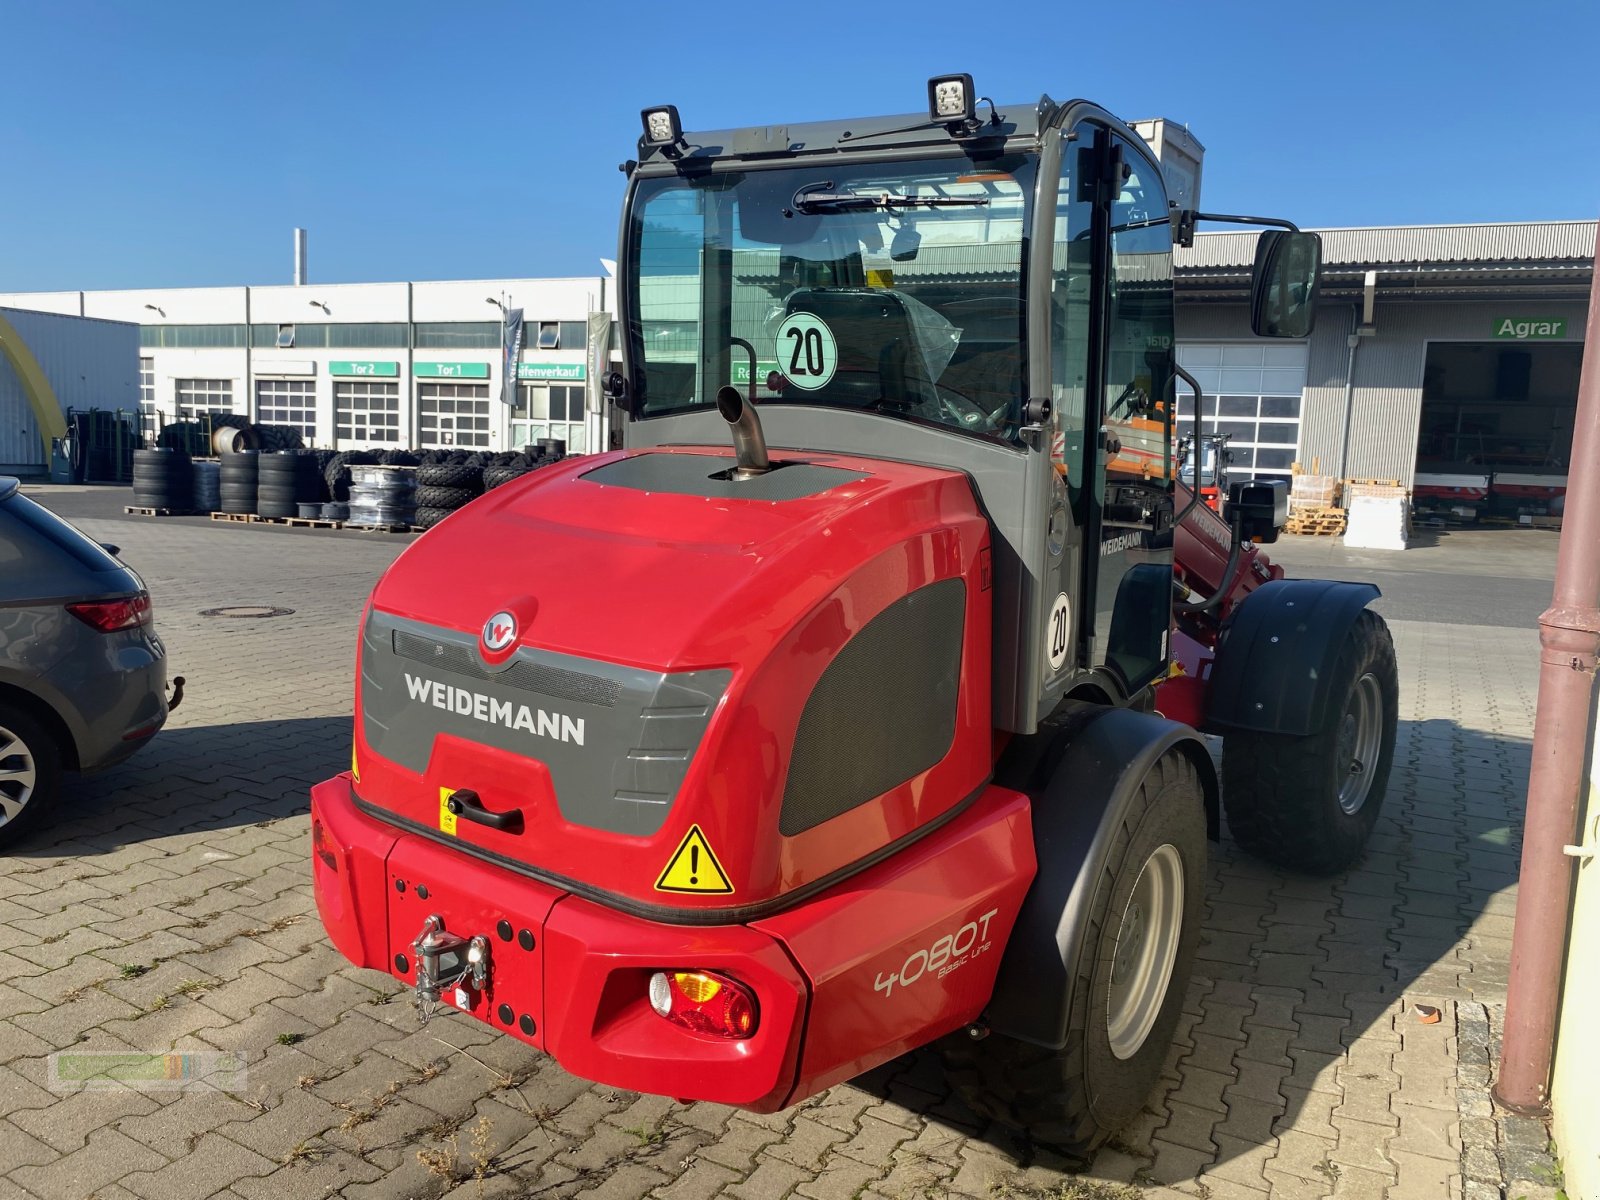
pixel 168 144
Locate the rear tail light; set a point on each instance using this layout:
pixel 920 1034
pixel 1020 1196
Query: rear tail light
pixel 704 1002
pixel 108 616
pixel 323 845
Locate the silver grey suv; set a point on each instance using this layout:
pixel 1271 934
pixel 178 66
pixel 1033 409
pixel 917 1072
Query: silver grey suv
pixel 82 673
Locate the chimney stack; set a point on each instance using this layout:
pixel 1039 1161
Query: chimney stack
pixel 299 257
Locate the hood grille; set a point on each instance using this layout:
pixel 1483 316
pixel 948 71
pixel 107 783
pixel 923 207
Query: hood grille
pixel 525 676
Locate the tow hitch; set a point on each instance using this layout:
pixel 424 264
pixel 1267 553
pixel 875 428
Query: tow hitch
pixel 448 962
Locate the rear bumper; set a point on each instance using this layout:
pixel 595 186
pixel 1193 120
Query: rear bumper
pixel 889 959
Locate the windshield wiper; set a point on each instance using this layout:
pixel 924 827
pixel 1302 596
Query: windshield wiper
pixel 814 198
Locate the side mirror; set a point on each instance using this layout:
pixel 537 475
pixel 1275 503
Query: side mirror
pixel 1283 284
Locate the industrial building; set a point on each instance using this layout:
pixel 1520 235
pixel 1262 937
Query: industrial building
pixel 55 367
pixel 1445 357
pixel 362 365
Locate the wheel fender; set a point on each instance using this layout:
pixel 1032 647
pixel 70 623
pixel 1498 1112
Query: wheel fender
pixel 1076 814
pixel 1276 656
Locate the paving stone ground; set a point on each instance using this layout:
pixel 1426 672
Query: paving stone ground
pixel 169 908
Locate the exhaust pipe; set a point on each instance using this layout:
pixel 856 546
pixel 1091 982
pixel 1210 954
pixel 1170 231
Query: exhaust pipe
pixel 749 444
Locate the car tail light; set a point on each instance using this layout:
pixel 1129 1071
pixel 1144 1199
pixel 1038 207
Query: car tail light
pixel 704 1002
pixel 323 845
pixel 108 616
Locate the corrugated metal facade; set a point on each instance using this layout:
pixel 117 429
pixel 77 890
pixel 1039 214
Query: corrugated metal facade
pixel 1547 241
pixel 1386 402
pixel 89 363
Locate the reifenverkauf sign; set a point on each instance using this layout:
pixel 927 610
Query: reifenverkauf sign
pixel 1530 329
pixel 553 372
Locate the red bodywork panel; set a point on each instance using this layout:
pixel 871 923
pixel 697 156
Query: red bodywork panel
pixel 676 583
pixel 882 962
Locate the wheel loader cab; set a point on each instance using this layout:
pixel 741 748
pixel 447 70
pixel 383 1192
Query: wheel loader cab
pixel 997 305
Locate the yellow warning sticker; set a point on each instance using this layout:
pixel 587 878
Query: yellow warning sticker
pixel 880 277
pixel 447 819
pixel 694 868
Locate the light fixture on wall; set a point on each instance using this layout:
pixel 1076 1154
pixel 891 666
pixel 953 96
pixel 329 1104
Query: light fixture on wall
pixel 319 304
pixel 153 308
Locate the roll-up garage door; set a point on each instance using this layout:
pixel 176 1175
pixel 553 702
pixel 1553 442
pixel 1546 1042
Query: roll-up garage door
pixel 1253 391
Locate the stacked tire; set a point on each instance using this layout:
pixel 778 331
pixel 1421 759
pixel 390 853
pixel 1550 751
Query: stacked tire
pixel 444 486
pixel 287 479
pixel 207 480
pixel 238 481
pixel 162 479
pixel 382 495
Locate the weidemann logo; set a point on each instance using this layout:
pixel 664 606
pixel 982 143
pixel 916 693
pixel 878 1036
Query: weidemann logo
pixel 495 712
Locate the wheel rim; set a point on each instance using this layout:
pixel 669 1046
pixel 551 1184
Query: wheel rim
pixel 1147 949
pixel 1360 741
pixel 19 775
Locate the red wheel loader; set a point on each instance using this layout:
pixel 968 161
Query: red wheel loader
pixel 858 703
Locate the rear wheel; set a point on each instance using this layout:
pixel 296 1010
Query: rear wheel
pixel 1127 989
pixel 30 772
pixel 1309 803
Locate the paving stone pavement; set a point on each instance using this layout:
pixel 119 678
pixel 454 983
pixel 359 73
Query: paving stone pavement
pixel 169 908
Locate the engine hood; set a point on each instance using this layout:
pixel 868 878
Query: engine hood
pixel 654 559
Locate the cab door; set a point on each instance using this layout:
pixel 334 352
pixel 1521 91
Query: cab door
pixel 1112 384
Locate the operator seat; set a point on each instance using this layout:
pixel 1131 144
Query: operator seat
pixel 879 362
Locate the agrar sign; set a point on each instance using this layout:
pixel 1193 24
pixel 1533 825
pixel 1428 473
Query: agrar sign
pixel 1524 329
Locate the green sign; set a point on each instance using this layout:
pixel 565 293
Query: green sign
pixel 1530 329
pixel 741 371
pixel 450 370
pixel 386 369
pixel 557 372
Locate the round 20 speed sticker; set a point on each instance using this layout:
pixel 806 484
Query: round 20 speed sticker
pixel 807 354
pixel 1056 632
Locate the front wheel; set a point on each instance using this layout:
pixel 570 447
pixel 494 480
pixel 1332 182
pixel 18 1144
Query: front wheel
pixel 1127 988
pixel 1309 803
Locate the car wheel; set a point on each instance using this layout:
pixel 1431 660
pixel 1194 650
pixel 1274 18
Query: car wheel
pixel 30 772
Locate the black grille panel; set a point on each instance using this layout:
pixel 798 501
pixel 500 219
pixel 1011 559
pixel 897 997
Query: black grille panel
pixel 883 711
pixel 527 676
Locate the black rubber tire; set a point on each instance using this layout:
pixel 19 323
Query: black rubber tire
pixel 162 478
pixel 427 518
pixel 443 497
pixel 19 727
pixel 493 477
pixel 1074 1098
pixel 1281 792
pixel 451 475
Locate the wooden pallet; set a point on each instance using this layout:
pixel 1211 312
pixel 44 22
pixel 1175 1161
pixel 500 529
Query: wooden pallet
pixel 1322 522
pixel 1389 483
pixel 383 528
pixel 313 523
pixel 134 510
pixel 242 518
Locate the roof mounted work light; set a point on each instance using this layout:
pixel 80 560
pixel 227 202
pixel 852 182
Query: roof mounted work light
pixel 951 100
pixel 661 126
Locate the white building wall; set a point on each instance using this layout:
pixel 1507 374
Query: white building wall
pixel 427 302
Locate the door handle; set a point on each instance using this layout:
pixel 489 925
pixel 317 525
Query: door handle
pixel 464 803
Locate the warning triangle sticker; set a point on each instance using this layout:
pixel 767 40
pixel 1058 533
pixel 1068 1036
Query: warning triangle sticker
pixel 694 868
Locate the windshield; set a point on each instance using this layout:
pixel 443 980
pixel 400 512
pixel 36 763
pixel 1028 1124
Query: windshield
pixel 889 287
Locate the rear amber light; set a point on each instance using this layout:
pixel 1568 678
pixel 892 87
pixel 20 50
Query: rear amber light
pixel 108 616
pixel 704 1002
pixel 323 845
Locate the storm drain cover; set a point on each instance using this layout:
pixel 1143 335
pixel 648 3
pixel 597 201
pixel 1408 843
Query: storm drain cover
pixel 246 611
